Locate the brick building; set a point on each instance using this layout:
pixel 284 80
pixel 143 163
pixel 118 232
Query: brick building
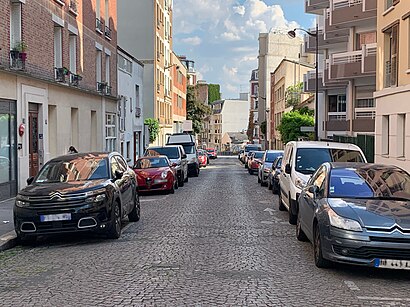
pixel 57 82
pixel 179 91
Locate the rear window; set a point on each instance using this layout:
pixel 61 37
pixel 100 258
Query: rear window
pixel 251 148
pixel 170 152
pixel 258 154
pixel 144 163
pixel 271 156
pixel 189 149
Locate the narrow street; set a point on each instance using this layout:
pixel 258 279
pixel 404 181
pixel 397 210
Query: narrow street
pixel 219 240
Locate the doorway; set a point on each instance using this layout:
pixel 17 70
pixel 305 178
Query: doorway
pixel 33 139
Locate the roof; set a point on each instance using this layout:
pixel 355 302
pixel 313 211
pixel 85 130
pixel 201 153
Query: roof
pixel 293 62
pixel 321 144
pixel 237 136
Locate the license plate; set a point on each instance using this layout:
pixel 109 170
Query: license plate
pixel 55 217
pixel 392 264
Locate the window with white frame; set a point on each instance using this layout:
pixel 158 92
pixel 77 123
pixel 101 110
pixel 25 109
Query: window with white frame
pixel 401 135
pixel 73 53
pixel 110 132
pixel 98 65
pixel 58 48
pixel 385 134
pixel 107 69
pixel 15 24
pixel 124 64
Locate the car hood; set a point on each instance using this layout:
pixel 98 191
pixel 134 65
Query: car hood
pixel 45 189
pixel 267 165
pixel 374 212
pixel 177 160
pixel 150 172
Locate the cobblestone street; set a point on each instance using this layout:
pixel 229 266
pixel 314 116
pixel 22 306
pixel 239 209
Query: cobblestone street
pixel 220 240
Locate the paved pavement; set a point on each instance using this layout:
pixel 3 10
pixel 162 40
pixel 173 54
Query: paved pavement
pixel 220 240
pixel 6 223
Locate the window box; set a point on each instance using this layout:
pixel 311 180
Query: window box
pixel 99 27
pixel 73 7
pixel 107 33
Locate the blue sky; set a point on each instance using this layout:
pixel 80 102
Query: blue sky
pixel 221 36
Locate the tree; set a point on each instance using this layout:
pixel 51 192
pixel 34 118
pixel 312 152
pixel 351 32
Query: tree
pixel 293 94
pixel 289 127
pixel 196 110
pixel 251 127
pixel 214 93
pixel 153 128
pixel 263 127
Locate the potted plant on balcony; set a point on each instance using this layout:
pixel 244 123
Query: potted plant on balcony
pixel 22 47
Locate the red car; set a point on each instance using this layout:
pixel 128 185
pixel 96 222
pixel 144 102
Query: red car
pixel 254 161
pixel 155 174
pixel 213 154
pixel 202 158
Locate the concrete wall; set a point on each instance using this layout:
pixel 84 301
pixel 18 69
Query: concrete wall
pixel 235 115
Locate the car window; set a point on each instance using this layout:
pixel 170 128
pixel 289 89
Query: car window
pixel 320 180
pixel 189 149
pixel 121 163
pixel 271 156
pixel 343 155
pixel 145 163
pixel 258 154
pixel 114 166
pixel 170 152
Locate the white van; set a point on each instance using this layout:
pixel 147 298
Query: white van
pixel 300 161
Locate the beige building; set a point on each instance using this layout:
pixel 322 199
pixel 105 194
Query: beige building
pixel 288 73
pixel 393 83
pixel 179 89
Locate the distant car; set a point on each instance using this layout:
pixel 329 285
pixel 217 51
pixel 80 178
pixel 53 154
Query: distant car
pixel 202 158
pixel 76 193
pixel 357 213
pixel 254 161
pixel 155 174
pixel 273 179
pixel 213 153
pixel 248 148
pixel 266 165
pixel 188 142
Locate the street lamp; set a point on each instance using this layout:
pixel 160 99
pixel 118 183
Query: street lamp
pixel 292 34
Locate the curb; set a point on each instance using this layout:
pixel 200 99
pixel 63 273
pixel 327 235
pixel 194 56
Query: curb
pixel 7 241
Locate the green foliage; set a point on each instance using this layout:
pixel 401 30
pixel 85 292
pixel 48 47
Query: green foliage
pixel 251 127
pixel 153 128
pixel 214 92
pixel 20 46
pixel 307 111
pixel 263 127
pixel 293 93
pixel 289 127
pixel 196 110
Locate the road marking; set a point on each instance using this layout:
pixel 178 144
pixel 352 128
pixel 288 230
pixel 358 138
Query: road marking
pixel 351 285
pixel 270 210
pixel 264 201
pixel 153 199
pixel 377 298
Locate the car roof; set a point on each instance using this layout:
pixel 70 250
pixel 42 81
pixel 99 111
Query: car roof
pixel 274 151
pixel 322 144
pixel 362 166
pixel 153 157
pixel 90 155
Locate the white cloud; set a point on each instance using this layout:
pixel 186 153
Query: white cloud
pixel 229 36
pixel 194 41
pixel 240 10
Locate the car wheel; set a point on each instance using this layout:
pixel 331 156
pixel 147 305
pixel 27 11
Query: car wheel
pixel 300 235
pixel 274 189
pixel 176 184
pixel 259 180
pixel 269 184
pixel 196 174
pixel 320 262
pixel 281 205
pixel 114 230
pixel 135 214
pixel 292 217
pixel 186 179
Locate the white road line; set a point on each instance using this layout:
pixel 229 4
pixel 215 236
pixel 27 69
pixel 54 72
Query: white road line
pixel 381 299
pixel 270 210
pixel 351 285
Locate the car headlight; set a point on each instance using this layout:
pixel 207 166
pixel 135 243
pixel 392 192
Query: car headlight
pixel 266 170
pixel 300 183
pixel 342 222
pixel 22 203
pixel 96 196
pixel 164 174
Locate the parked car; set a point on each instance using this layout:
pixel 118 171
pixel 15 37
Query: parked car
pixel 266 166
pixel 155 174
pixel 273 179
pixel 248 148
pixel 75 193
pixel 357 213
pixel 247 157
pixel 188 142
pixel 254 161
pixel 240 153
pixel 176 154
pixel 213 153
pixel 202 158
pixel 300 161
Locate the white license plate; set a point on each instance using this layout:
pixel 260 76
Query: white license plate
pixel 55 217
pixel 392 264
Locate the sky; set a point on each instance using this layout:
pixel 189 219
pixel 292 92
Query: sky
pixel 221 36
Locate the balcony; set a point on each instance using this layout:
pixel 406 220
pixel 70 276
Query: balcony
pixel 17 60
pixel 75 79
pixel 60 74
pixel 107 33
pixel 337 121
pixel 348 13
pixel 390 73
pixel 315 6
pixel 99 26
pixel 73 7
pixel 101 87
pixel 331 83
pixel 352 64
pixel 364 120
pixel 309 81
pixel 108 90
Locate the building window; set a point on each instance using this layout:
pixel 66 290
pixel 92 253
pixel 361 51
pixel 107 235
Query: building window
pixel 337 103
pixel 98 64
pixel 73 53
pixel 58 49
pixel 110 135
pixel 385 134
pixel 15 24
pixel 107 69
pixel 124 64
pixel 391 45
pixel 390 3
pixel 128 151
pixel 401 134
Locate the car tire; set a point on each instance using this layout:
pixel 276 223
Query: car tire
pixel 269 184
pixel 320 262
pixel 176 184
pixel 196 174
pixel 259 180
pixel 292 217
pixel 274 189
pixel 135 214
pixel 114 229
pixel 172 190
pixel 300 235
pixel 186 179
pixel 281 205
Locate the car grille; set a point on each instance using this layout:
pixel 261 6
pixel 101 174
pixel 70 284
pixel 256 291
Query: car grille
pixel 365 252
pixel 390 240
pixel 57 200
pixel 59 226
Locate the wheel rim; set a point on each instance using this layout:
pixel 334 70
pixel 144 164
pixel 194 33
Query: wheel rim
pixel 117 218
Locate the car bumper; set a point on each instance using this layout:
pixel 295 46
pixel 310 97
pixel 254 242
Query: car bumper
pixel 84 217
pixel 156 186
pixel 192 167
pixel 347 247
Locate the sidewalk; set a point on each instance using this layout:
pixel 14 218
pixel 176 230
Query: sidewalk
pixel 7 234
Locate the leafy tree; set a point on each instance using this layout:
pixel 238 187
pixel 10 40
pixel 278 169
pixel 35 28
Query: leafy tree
pixel 196 110
pixel 214 92
pixel 263 127
pixel 153 128
pixel 251 127
pixel 289 127
pixel 306 110
pixel 293 94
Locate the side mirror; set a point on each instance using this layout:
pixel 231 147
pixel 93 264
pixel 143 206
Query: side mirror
pixel 30 180
pixel 314 190
pixel 288 170
pixel 174 164
pixel 184 156
pixel 118 174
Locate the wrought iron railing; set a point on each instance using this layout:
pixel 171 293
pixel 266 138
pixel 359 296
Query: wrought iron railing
pixel 99 25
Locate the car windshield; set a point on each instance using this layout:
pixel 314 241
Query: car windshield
pixel 271 156
pixel 258 154
pixel 145 163
pixel 170 152
pixel 189 149
pixel 251 148
pixel 369 183
pixel 78 169
pixel 210 150
pixel 309 159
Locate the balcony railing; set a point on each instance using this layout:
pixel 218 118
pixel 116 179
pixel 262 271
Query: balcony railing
pixel 60 73
pixel 108 90
pixel 75 79
pixel 338 4
pixel 101 87
pixel 390 73
pixel 336 115
pixel 73 7
pixel 99 25
pixel 107 32
pixel 364 113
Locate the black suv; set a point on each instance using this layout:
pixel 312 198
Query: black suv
pixel 176 154
pixel 78 192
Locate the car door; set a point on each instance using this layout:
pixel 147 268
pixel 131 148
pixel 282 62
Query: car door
pixel 128 183
pixel 184 162
pixel 260 170
pixel 285 178
pixel 119 182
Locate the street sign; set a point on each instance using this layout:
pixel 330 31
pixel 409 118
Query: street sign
pixel 307 129
pixel 187 125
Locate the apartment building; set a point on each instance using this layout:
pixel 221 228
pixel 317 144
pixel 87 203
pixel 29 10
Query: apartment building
pixel 273 47
pixel 179 91
pixel 130 110
pixel 347 65
pixel 190 67
pixel 393 83
pixel 145 31
pixel 253 128
pixel 58 83
pixel 288 73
